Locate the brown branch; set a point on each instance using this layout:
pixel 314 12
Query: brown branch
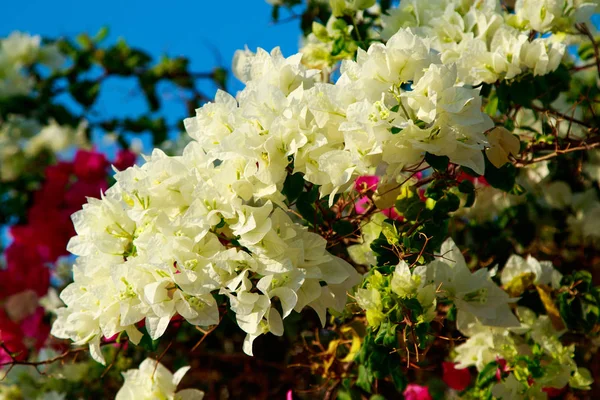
pixel 36 364
pixel 560 115
pixel 206 333
pixel 582 145
pixel 584 29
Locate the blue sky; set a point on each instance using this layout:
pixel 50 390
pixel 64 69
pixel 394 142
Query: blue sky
pixel 207 32
pixel 194 28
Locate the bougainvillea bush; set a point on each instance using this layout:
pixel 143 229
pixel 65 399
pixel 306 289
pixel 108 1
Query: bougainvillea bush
pixel 407 208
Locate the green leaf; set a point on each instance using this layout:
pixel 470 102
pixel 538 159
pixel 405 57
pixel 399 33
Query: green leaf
pixel 343 227
pixel 306 206
pixel 390 339
pixel 148 84
pixel 348 394
pixel 365 378
pixel 339 44
pixel 293 186
pixel 487 375
pixel 85 92
pixel 84 41
pixel 398 376
pixel 439 163
pixel 449 203
pixel 451 315
pixel 147 343
pixel 501 178
pixel 101 35
pixel 220 77
pixel 466 186
pixel 275 13
pixel 491 108
pixel 470 200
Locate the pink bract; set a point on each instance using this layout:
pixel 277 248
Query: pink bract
pixel 457 379
pixel 416 392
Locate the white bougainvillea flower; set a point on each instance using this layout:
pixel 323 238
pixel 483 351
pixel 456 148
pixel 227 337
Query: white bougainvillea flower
pixel 472 293
pixel 152 380
pixel 544 271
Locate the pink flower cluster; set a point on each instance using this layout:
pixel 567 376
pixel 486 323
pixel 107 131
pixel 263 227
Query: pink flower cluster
pixel 40 242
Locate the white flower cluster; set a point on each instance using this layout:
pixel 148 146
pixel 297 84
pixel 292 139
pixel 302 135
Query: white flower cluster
pixel 485 42
pixel 17 52
pixel 22 140
pixel 175 231
pixel 152 380
pixel 553 15
pixel 488 343
pixel 475 295
pixel 364 123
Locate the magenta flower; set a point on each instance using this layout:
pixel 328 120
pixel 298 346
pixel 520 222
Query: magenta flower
pixel 368 183
pixel 416 392
pixel 125 159
pixel 457 379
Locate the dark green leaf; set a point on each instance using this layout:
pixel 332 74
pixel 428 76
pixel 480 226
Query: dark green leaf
pixel 439 163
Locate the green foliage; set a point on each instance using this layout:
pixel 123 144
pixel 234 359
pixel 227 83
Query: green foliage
pixel 424 227
pixel 524 90
pixel 503 178
pixel 439 163
pixel 579 306
pixel 293 186
pixel 374 362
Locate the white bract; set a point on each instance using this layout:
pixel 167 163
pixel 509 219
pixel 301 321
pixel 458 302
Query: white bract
pixel 554 15
pixel 472 293
pixel 486 43
pixel 23 140
pixel 543 271
pixel 486 344
pixel 152 380
pixel 18 51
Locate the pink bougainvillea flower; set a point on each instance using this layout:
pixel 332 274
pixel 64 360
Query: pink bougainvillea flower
pixel 40 242
pixel 502 368
pixel 554 392
pixel 362 205
pixel 392 214
pixel 289 395
pixel 416 392
pixel 90 165
pixel 24 270
pixel 366 183
pixel 78 193
pixel 457 379
pixel 480 180
pixel 125 159
pixel 35 328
